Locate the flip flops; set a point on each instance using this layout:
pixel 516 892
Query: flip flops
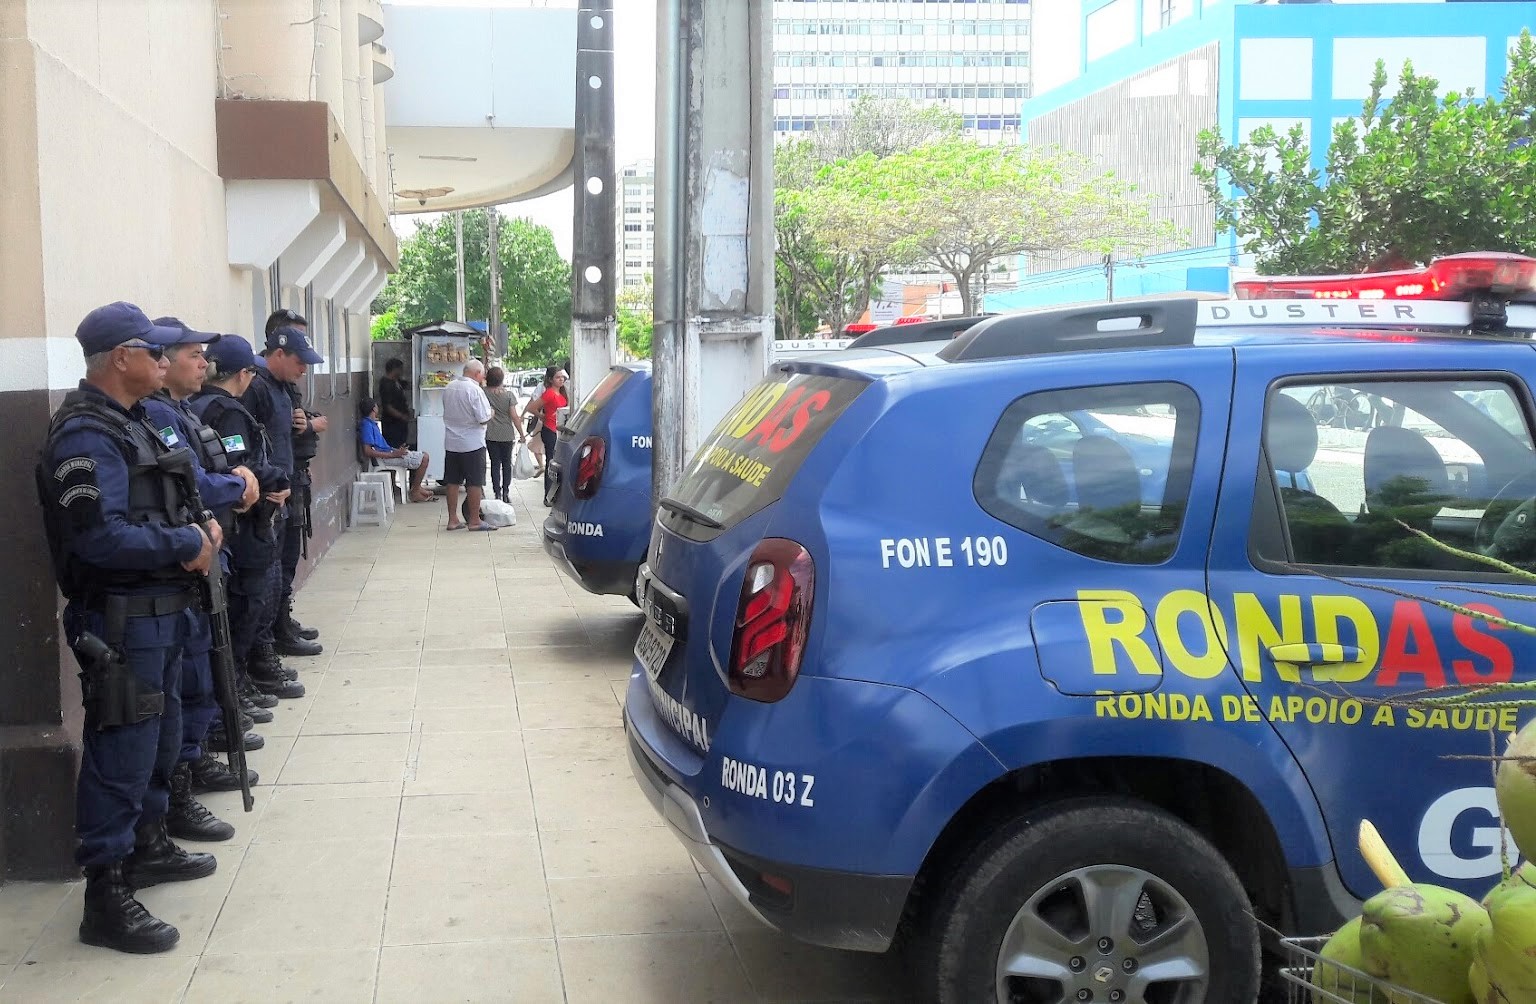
pixel 483 528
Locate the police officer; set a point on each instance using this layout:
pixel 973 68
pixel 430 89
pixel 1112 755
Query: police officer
pixel 287 357
pixel 289 637
pixel 252 538
pixel 127 550
pixel 223 487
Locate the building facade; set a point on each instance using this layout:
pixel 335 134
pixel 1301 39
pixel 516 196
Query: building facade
pixel 636 223
pixel 1132 83
pixel 971 56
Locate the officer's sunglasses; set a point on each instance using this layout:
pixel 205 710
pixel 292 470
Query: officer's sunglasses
pixel 156 352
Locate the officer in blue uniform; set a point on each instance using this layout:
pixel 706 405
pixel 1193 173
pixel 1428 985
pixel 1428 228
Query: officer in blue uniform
pixel 285 361
pixel 288 636
pixel 127 550
pixel 252 538
pixel 223 488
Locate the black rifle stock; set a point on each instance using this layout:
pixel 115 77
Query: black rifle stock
pixel 178 463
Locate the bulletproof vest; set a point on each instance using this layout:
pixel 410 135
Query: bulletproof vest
pixel 154 496
pixel 211 407
pixel 280 433
pixel 203 440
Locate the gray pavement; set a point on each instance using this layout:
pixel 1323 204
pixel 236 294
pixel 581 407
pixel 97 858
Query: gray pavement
pixel 447 815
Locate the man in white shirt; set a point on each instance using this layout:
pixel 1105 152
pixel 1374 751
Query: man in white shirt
pixel 465 414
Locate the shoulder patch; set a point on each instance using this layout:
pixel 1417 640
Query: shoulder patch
pixel 168 434
pixel 234 444
pixel 78 492
pixel 72 465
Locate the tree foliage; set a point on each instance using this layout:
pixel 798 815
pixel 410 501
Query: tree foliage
pixel 385 326
pixel 1411 178
pixel 634 318
pixel 535 283
pixel 960 207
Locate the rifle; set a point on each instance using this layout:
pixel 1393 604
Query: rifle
pixel 178 464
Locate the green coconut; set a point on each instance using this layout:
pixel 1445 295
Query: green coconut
pixel 1506 951
pixel 1515 784
pixel 1343 950
pixel 1421 937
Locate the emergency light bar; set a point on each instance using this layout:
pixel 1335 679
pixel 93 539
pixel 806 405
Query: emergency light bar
pixel 1453 277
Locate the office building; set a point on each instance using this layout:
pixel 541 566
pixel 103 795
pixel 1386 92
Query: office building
pixel 636 238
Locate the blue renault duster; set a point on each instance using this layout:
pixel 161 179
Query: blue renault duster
pixel 1063 650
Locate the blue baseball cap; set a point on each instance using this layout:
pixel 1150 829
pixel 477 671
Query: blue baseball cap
pixel 293 341
pixel 188 335
pixel 230 354
pixel 105 328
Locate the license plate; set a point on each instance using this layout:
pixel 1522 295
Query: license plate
pixel 652 648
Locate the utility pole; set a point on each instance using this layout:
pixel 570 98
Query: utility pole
pixel 458 262
pixel 1109 276
pixel 714 296
pixel 493 324
pixel 594 263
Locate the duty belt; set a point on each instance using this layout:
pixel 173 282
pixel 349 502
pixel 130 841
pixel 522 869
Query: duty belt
pixel 123 605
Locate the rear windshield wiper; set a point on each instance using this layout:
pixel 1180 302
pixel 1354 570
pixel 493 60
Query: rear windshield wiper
pixel 684 509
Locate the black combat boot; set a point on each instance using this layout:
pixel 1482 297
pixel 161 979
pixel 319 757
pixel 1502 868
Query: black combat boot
pixel 156 859
pixel 114 919
pixel 264 661
pixel 250 709
pixel 217 740
pixel 212 774
pixel 290 642
pixel 250 693
pixel 298 630
pixel 267 675
pixel 189 819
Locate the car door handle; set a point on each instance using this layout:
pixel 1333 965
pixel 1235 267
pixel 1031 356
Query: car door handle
pixel 1319 655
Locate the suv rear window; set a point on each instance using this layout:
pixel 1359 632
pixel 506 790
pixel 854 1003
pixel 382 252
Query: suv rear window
pixel 1102 471
pixel 598 397
pixel 749 458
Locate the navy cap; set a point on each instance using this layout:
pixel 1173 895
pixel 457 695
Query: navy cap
pixel 294 342
pixel 188 335
pixel 105 328
pixel 230 354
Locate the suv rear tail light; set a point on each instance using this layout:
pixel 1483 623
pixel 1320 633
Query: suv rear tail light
pixel 1453 277
pixel 591 458
pixel 773 619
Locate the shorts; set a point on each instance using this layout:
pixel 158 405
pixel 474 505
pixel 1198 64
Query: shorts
pixel 464 468
pixel 409 462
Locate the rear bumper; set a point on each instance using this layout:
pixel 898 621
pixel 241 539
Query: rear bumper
pixel 829 908
pixel 607 578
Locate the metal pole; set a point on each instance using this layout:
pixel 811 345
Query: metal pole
pixel 667 364
pixel 493 323
pixel 1109 277
pixel 458 262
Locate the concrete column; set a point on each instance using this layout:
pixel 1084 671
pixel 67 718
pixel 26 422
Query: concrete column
pixel 329 52
pixel 714 232
pixel 352 79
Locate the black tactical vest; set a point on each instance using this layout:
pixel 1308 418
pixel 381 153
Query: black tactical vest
pixel 154 497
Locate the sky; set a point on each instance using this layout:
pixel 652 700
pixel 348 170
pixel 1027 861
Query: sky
pixel 634 105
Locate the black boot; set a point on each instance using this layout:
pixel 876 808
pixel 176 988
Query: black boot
pixel 114 919
pixel 264 662
pixel 250 709
pixel 250 693
pixel 212 774
pixel 285 633
pixel 156 859
pixel 189 819
pixel 267 676
pixel 300 631
pixel 218 741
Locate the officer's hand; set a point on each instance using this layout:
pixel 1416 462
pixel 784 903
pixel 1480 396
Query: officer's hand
pixel 252 488
pixel 278 498
pixel 300 420
pixel 319 423
pixel 206 557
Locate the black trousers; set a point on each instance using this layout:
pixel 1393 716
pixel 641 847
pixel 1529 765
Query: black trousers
pixel 501 465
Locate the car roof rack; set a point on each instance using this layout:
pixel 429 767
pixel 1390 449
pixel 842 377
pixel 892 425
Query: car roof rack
pixel 1121 324
pixel 920 331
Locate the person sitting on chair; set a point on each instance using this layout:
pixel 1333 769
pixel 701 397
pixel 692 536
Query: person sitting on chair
pixel 376 449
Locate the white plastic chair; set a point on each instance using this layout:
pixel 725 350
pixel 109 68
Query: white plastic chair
pixel 385 478
pixel 369 503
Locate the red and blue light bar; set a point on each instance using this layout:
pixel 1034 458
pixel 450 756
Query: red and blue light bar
pixel 1452 277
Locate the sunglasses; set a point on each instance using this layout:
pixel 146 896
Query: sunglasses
pixel 156 352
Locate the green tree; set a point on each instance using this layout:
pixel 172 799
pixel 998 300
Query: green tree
pixel 634 318
pixel 960 207
pixel 385 325
pixel 833 281
pixel 535 283
pixel 1411 178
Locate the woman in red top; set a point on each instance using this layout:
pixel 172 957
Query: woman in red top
pixel 547 407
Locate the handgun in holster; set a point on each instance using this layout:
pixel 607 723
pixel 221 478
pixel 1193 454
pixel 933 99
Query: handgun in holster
pixel 112 695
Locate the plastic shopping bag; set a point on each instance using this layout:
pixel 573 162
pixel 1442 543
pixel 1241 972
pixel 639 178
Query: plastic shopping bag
pixel 497 513
pixel 522 464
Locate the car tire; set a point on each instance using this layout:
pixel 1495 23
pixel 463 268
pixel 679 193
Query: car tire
pixel 1030 881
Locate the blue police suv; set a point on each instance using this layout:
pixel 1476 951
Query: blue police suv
pixel 1063 650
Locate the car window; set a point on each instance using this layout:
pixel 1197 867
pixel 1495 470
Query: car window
pixel 1102 471
pixel 1381 474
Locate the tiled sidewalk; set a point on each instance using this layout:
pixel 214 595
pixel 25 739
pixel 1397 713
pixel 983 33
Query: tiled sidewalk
pixel 448 815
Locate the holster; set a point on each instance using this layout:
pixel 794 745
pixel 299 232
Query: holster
pixel 112 695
